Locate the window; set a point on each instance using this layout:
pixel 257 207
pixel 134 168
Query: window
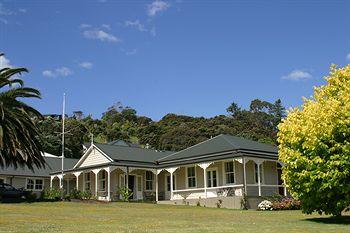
pixel 102 178
pixel 2 180
pixel 191 177
pixel 87 181
pixel 261 173
pixel 149 180
pixel 229 173
pixel 212 179
pixel 30 184
pixel 168 183
pixel 39 184
pixel 35 184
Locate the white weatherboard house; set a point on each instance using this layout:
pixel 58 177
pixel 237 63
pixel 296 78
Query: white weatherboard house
pixel 221 170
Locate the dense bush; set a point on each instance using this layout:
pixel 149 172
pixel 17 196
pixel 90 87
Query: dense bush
pixel 86 195
pixel 82 195
pixel 52 194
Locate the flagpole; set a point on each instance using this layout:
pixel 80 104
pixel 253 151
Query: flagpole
pixel 63 118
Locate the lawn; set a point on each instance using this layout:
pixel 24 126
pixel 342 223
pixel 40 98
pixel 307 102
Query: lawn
pixel 140 217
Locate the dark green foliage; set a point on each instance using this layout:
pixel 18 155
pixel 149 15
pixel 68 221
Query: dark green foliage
pixel 173 132
pixel 52 194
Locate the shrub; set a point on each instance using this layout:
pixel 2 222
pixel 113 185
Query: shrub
pixel 86 195
pixel 53 194
pixel 75 194
pixel 265 205
pixel 125 192
pixel 286 204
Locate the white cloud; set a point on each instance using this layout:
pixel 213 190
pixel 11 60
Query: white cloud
pixel 4 62
pixel 297 75
pixel 23 10
pixel 107 26
pixel 49 73
pixel 136 24
pixel 156 7
pixel 130 53
pixel 101 35
pixel 85 25
pixel 58 72
pixel 86 65
pixel 348 57
pixel 63 71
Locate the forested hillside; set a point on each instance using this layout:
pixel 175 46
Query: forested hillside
pixel 172 132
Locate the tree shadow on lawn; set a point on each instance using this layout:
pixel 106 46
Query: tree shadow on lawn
pixel 342 220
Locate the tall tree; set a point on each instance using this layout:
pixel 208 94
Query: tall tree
pixel 315 147
pixel 19 137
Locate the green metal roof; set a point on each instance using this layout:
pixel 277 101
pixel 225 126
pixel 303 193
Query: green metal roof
pixel 221 143
pixel 53 164
pixel 126 153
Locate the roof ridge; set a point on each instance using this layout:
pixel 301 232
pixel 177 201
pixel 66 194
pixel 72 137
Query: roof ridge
pixel 232 144
pixel 188 148
pixel 140 148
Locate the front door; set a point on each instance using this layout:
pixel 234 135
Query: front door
pixel 131 186
pixel 212 178
pixel 139 195
pixel 167 186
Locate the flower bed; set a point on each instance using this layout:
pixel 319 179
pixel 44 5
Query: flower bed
pixel 286 203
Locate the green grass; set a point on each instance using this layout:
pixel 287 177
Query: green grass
pixel 140 217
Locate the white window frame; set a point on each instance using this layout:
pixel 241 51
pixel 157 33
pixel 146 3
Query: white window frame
pixel 224 171
pixel 166 182
pixel 87 182
pixel 217 176
pixel 146 180
pixel 262 179
pixel 102 180
pixel 195 177
pixel 34 184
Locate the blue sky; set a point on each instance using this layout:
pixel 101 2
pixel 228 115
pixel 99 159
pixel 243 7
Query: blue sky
pixel 183 57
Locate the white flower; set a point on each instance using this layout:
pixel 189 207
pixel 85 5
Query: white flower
pixel 265 205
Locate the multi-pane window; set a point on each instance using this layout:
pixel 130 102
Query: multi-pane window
pixel 102 177
pixel 191 177
pixel 212 178
pixel 87 181
pixel 35 184
pixel 168 183
pixel 261 173
pixel 149 180
pixel 39 184
pixel 229 172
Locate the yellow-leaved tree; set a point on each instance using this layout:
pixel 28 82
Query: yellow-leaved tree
pixel 314 145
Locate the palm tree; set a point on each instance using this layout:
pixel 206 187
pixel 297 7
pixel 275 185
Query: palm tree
pixel 19 137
